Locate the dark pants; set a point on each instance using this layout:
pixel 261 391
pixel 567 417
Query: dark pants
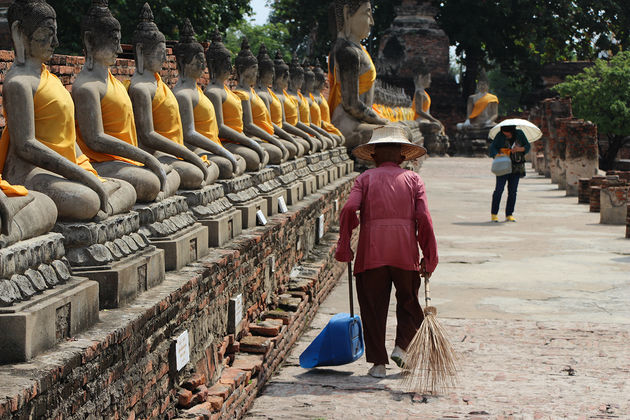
pixel 512 181
pixel 373 289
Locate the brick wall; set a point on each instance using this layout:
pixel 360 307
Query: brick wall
pixel 123 367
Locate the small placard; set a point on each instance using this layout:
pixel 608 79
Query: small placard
pixel 235 313
pixel 282 206
pixel 320 226
pixel 182 350
pixel 336 205
pixel 262 220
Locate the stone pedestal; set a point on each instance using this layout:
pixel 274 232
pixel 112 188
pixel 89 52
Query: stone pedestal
pixel 339 157
pixel 471 141
pixel 269 188
pixel 614 205
pixel 172 227
pixel 287 174
pixel 581 154
pixel 116 253
pixel 328 165
pixel 314 164
pixel 308 180
pixel 41 303
pixel 243 196
pixel 213 209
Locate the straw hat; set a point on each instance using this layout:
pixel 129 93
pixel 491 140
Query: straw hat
pixel 389 135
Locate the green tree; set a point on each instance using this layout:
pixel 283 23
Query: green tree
pixel 205 15
pixel 275 36
pixel 600 94
pixel 311 24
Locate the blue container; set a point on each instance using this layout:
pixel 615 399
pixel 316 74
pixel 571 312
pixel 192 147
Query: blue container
pixel 339 343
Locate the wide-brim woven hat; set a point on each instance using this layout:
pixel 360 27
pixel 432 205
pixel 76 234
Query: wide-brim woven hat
pixel 390 135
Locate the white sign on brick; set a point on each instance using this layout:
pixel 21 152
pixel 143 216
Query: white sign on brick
pixel 261 218
pixel 182 350
pixel 282 206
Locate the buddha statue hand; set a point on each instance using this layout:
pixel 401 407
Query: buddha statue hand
pixel 158 169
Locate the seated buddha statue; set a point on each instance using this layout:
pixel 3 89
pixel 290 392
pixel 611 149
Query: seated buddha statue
pixel 24 214
pixel 324 108
pixel 294 94
pixel 106 128
pixel 201 132
pixel 256 117
pixel 290 118
pixel 482 107
pixel 266 73
pixel 422 105
pixel 315 112
pixel 156 110
pixel 229 109
pixel 39 147
pixel 352 74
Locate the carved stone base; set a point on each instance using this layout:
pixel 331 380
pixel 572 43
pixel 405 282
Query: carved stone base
pixel 171 226
pixel 270 188
pixel 317 168
pixel 339 158
pixel 471 142
pixel 123 280
pixel 287 174
pixel 223 227
pixel 244 197
pixel 183 247
pixel 249 209
pixel 31 327
pixel 304 175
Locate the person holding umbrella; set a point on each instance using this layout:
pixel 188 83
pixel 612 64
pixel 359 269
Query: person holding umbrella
pixel 512 142
pixel 395 219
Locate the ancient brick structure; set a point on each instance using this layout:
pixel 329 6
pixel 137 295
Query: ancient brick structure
pixel 414 39
pixel 5 36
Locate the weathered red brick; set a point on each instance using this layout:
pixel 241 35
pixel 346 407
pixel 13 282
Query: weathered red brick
pixel 233 377
pixel 194 381
pixel 219 390
pixel 252 363
pixel 255 344
pixel 184 398
pixel 269 327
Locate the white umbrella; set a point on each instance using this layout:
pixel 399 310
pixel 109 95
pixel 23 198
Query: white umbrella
pixel 530 130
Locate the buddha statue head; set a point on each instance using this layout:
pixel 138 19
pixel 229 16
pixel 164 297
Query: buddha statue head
pixel 33 25
pixel 482 82
pixel 296 74
pixel 309 78
pixel 218 57
pixel 320 77
pixel 189 54
pixel 266 69
pixel 100 32
pixel 354 18
pixel 281 78
pixel 149 43
pixel 246 65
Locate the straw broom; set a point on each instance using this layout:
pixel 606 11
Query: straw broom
pixel 430 360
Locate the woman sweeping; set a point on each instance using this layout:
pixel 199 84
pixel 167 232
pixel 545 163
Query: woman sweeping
pixel 395 219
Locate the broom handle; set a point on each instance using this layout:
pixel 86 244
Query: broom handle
pixel 350 287
pixel 427 292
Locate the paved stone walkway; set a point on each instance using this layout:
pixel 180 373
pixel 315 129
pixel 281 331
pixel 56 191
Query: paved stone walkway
pixel 537 310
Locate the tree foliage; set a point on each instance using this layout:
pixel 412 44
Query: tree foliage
pixel 205 15
pixel 521 36
pixel 600 94
pixel 311 26
pixel 275 36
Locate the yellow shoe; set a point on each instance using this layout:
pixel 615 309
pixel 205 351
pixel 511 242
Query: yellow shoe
pixel 510 219
pixel 494 218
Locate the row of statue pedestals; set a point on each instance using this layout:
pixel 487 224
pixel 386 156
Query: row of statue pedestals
pixel 54 285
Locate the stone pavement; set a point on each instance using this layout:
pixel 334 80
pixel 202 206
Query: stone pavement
pixel 537 310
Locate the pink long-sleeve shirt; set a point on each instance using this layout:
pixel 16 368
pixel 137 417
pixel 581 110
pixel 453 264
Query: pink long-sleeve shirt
pixel 395 219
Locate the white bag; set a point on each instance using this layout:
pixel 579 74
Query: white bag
pixel 501 165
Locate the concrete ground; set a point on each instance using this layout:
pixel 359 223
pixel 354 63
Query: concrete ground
pixel 538 311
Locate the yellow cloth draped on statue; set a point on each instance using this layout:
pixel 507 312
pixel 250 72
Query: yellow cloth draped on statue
pixel 325 113
pixel 366 81
pixel 244 96
pixel 166 119
pixel 118 121
pixel 481 104
pixel 232 112
pixel 12 190
pixel 290 109
pixel 305 112
pixel 315 112
pixel 205 118
pixel 260 113
pixel 426 105
pixel 53 111
pixel 275 109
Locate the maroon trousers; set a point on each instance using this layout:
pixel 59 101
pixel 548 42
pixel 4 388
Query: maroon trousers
pixel 373 289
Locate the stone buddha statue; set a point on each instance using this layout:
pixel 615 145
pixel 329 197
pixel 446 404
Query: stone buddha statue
pixel 39 148
pixel 315 111
pixel 482 107
pixel 201 132
pixel 156 110
pixel 228 108
pixel 106 129
pixel 294 94
pixel 324 108
pixel 422 105
pixel 352 74
pixel 24 214
pixel 266 74
pixel 291 120
pixel 256 117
